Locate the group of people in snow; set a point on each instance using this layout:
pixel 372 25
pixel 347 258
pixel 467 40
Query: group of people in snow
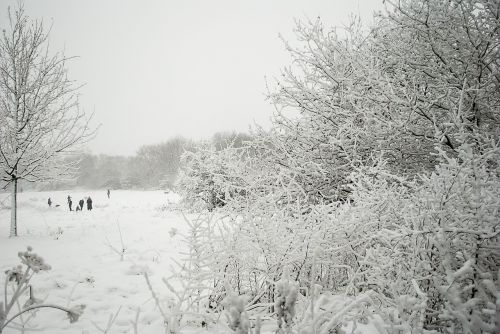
pixel 81 202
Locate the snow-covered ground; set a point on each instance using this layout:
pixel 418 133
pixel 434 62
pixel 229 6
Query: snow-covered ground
pixel 85 268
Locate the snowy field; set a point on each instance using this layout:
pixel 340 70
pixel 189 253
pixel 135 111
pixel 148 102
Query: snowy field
pixel 85 268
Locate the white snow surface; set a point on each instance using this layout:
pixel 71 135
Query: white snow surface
pixel 85 269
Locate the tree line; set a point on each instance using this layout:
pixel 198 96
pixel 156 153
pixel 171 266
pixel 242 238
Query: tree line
pixel 154 166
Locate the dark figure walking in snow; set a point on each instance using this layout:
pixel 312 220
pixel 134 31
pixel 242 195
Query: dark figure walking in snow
pixel 108 193
pixel 49 202
pixel 89 203
pixel 70 203
pixel 80 203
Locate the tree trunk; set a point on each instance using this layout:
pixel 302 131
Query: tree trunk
pixel 13 209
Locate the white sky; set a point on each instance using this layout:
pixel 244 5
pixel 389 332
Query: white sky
pixel 160 68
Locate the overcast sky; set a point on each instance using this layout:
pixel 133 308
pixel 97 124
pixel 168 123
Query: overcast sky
pixel 160 68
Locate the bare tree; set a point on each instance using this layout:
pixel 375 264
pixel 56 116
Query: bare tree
pixel 40 118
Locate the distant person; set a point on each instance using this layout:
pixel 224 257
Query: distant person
pixel 78 208
pixel 70 203
pixel 109 192
pixel 80 203
pixel 49 202
pixel 89 203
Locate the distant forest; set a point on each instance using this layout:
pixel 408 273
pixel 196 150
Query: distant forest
pixel 154 166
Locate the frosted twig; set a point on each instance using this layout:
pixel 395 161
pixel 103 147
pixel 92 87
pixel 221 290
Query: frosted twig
pixel 157 301
pixel 135 322
pixel 121 252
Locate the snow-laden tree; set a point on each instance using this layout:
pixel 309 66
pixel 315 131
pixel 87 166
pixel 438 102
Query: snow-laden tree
pixel 425 72
pixel 40 118
pixel 441 64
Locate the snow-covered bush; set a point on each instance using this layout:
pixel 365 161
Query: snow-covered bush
pixel 429 244
pixel 211 176
pixel 423 248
